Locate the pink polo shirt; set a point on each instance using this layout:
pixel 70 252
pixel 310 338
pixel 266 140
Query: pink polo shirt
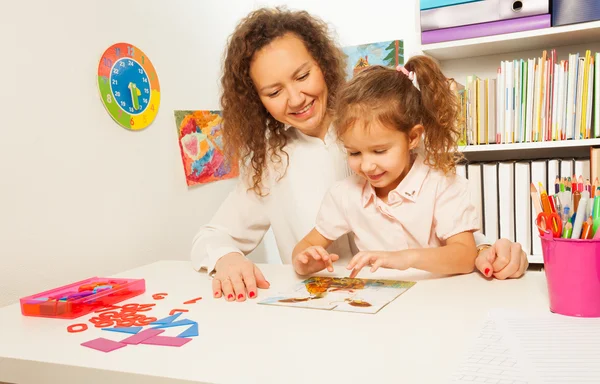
pixel 424 210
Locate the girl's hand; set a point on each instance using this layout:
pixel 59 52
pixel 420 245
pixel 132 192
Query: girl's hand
pixel 315 255
pixel 236 278
pixel 396 260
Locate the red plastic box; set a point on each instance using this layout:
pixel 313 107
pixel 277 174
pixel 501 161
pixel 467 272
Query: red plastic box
pixel 80 298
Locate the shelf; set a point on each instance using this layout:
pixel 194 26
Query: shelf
pixel 545 38
pixel 528 151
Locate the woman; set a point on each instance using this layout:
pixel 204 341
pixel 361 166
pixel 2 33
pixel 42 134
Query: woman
pixel 281 74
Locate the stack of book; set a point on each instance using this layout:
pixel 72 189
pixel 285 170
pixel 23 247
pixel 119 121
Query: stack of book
pixel 534 100
pixel 449 20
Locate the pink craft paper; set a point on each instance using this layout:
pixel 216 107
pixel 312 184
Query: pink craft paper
pixel 104 345
pixel 167 341
pixel 144 335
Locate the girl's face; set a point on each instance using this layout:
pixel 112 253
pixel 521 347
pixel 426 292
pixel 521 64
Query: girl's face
pixel 381 155
pixel 291 85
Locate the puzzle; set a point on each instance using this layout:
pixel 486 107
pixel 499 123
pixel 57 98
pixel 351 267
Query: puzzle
pixel 341 294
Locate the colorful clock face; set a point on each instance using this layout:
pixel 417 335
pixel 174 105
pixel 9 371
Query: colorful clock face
pixel 129 86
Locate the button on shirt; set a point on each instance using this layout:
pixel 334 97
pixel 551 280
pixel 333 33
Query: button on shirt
pixel 424 210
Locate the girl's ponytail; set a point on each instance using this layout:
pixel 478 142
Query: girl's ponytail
pixel 439 111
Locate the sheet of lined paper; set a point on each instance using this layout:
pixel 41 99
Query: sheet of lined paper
pixel 490 360
pixel 518 348
pixel 554 348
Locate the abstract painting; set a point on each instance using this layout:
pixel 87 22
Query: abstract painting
pixel 387 53
pixel 201 145
pixel 341 294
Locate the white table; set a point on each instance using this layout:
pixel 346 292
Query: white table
pixel 418 338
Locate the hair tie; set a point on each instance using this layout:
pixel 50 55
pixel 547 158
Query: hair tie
pixel 411 76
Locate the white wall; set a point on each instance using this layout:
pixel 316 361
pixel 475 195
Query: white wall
pixel 80 196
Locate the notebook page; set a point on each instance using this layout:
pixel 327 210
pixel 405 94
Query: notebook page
pixel 555 348
pixel 490 360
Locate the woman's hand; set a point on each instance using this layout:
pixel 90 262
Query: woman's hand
pixel 314 259
pixel 236 278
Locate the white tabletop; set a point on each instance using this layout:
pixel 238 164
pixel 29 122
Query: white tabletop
pixel 418 338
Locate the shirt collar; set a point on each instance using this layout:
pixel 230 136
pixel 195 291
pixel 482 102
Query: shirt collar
pixel 408 188
pixel 330 136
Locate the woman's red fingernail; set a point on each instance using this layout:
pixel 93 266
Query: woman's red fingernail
pixel 252 294
pixel 240 296
pixel 230 296
pixel 216 293
pixel 487 271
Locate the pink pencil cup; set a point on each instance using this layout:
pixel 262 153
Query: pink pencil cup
pixel 573 275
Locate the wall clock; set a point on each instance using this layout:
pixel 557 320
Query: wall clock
pixel 128 86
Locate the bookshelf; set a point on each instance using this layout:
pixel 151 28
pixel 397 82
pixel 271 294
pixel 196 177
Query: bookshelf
pixel 527 151
pixel 514 42
pixel 482 56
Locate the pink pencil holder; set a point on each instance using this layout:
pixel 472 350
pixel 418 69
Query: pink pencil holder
pixel 573 275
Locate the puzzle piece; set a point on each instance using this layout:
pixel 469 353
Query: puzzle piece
pixel 103 345
pixel 167 341
pixel 132 330
pixel 190 332
pixel 166 320
pixel 176 324
pixel 142 336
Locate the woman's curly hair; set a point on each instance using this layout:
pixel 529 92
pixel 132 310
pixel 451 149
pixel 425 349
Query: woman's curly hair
pixel 388 96
pixel 250 133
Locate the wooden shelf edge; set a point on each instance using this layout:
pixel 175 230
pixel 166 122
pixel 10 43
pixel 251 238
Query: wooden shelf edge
pixel 514 42
pixel 534 145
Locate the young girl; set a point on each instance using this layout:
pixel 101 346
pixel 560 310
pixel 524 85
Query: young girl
pixel 406 206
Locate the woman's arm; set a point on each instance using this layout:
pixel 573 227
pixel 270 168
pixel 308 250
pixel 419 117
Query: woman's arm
pixel 238 226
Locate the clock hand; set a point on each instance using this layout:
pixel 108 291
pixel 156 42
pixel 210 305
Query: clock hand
pixel 135 94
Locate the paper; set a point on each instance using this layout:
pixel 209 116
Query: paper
pixel 490 360
pixel 544 348
pixel 555 348
pixel 341 294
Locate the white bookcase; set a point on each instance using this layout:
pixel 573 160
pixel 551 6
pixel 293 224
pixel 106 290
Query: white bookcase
pixel 482 57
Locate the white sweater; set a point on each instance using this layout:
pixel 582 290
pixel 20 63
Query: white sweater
pixel 290 208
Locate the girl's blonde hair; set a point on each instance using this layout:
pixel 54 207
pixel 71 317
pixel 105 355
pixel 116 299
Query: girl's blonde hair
pixel 389 97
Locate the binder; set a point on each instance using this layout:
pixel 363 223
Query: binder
pixel 480 12
pixel 432 4
pixel 486 29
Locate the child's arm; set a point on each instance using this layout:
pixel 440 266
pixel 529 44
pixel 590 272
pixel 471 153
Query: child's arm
pixel 457 256
pixel 310 256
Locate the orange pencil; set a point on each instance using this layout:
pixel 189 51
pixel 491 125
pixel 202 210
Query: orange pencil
pixel 535 199
pixel 586 231
pixel 544 198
